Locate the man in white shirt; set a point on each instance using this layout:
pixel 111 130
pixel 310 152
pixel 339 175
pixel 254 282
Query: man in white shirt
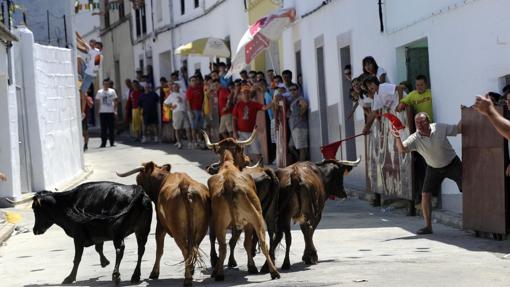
pixel 177 102
pixel 91 68
pixel 430 141
pixel 107 98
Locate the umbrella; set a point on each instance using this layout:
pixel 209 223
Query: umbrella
pixel 259 36
pixel 209 47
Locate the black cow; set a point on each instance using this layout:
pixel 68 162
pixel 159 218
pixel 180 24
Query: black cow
pixel 95 212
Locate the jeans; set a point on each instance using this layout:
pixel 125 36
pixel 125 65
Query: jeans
pixel 107 121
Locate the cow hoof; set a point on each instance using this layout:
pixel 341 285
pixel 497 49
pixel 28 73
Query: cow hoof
pixel 286 265
pixel 116 278
pixel 69 280
pixel 264 269
pixel 252 269
pixel 154 275
pixel 275 275
pixel 307 259
pixel 232 263
pixel 135 278
pixel 104 263
pixel 188 282
pixel 219 277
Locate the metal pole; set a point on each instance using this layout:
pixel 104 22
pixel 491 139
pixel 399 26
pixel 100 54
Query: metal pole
pixel 48 24
pixel 65 30
pixel 9 14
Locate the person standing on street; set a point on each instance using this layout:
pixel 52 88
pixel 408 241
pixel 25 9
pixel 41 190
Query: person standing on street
pixel 195 100
pixel 148 103
pixel 177 102
pixel 107 98
pixel 430 141
pixel 298 122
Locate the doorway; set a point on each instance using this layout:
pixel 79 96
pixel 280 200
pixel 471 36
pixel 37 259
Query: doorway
pixel 323 105
pixel 350 146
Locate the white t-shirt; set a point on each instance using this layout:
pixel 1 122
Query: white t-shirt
pixel 176 99
pixel 380 72
pixel 106 100
pixel 385 97
pixel 436 149
pixel 93 62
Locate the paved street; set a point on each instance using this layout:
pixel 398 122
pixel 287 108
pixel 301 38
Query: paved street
pixel 357 245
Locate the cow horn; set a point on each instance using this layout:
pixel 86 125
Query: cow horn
pixel 350 163
pixel 138 169
pixel 250 140
pixel 208 141
pixel 255 165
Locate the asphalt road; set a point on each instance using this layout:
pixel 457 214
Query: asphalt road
pixel 358 245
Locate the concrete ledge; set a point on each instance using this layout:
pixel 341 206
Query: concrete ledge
pixel 445 217
pixel 6 230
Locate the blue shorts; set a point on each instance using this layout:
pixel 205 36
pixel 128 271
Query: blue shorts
pixel 87 82
pixel 198 121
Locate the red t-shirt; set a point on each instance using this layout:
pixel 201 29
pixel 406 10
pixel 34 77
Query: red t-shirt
pixel 135 95
pixel 223 96
pixel 246 115
pixel 195 97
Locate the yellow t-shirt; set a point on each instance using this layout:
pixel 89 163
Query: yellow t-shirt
pixel 420 102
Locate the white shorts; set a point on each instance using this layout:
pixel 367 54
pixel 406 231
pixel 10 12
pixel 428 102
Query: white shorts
pixel 299 138
pixel 254 148
pixel 180 120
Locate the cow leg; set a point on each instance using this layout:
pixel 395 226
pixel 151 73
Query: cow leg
pixel 258 225
pixel 248 242
pixel 222 243
pixel 189 266
pixel 288 242
pixel 119 253
pixel 265 268
pixel 310 254
pixel 141 240
pixel 78 252
pixel 160 242
pixel 232 244
pixel 212 240
pixel 102 258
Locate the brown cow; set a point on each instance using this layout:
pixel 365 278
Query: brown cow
pixel 304 188
pixel 267 186
pixel 234 203
pixel 182 208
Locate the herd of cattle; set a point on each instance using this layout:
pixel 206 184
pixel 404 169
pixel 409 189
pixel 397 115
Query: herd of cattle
pixel 239 197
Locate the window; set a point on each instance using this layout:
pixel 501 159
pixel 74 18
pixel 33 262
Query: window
pixel 140 22
pixel 106 14
pixel 197 3
pixel 183 8
pixel 122 13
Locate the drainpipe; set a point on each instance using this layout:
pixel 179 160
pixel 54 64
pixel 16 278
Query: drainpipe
pixel 172 35
pixel 381 16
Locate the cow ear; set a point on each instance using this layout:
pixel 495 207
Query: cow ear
pixel 37 201
pixel 148 167
pixel 167 167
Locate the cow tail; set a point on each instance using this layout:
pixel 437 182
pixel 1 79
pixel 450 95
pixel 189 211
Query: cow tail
pixel 193 252
pixel 228 191
pixel 306 205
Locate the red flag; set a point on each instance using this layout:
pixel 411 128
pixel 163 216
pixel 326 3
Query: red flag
pixel 395 122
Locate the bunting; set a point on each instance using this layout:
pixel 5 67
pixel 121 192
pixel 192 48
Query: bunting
pixel 94 6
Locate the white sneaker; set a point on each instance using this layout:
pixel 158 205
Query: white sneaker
pixel 179 145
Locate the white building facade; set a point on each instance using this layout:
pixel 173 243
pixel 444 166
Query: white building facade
pixel 464 46
pixel 169 24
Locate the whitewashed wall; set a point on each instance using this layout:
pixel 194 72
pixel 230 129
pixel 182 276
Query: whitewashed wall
pixel 468 41
pixel 54 121
pixel 9 148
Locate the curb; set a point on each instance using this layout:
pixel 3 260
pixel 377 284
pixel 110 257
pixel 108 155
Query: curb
pixel 444 217
pixel 5 232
